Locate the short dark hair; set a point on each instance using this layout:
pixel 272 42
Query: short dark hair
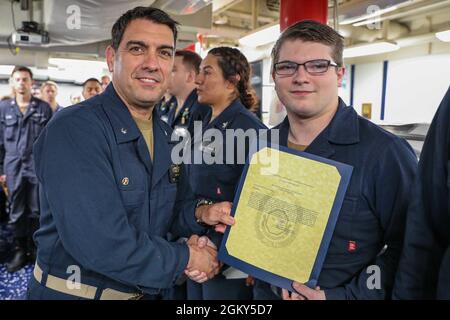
pixel 148 13
pixel 312 31
pixel 22 69
pixel 91 79
pixel 190 59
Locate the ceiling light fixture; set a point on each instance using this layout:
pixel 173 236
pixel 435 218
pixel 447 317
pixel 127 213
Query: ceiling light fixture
pixel 370 49
pixel 443 36
pixel 375 14
pixel 261 36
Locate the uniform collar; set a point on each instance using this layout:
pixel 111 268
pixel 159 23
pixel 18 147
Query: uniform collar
pixel 342 130
pixel 224 120
pixel 190 100
pixel 124 126
pixel 125 129
pixel 34 102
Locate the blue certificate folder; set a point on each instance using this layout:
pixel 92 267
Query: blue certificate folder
pixel 276 280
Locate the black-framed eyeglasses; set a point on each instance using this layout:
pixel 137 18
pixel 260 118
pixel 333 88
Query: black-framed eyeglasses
pixel 313 67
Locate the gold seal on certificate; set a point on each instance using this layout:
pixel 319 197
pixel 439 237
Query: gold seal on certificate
pixel 282 215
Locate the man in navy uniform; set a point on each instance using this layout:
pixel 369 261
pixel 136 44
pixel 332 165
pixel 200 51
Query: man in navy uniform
pixel 108 185
pixel 367 241
pixel 183 109
pixel 425 264
pixel 21 121
pixel 182 87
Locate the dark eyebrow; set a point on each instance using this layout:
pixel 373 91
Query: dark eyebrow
pixel 136 42
pixel 207 67
pixel 143 44
pixel 284 61
pixel 162 47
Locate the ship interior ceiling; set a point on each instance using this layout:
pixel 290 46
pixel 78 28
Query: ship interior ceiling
pixel 80 30
pixel 218 22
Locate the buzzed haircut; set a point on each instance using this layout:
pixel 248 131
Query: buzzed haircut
pixel 22 69
pixel 190 59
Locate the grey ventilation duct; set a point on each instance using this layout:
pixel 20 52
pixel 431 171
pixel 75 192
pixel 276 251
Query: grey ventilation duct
pixel 181 7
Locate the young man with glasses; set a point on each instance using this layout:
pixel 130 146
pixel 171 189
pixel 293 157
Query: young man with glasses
pixel 365 248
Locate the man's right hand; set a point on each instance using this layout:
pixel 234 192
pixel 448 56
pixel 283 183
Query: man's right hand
pixel 3 178
pixel 203 264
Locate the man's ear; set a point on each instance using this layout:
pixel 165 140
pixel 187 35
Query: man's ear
pixel 110 54
pixel 340 75
pixel 191 76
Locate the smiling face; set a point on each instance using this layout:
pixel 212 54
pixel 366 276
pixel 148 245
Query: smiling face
pixel 306 95
pixel 142 64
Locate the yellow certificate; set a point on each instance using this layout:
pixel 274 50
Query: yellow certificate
pixel 282 214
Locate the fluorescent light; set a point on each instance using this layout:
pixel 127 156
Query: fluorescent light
pixel 370 49
pixel 443 36
pixel 261 37
pixel 374 14
pixel 76 70
pixel 76 63
pixel 6 69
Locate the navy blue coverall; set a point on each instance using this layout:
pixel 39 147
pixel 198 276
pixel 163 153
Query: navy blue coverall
pixel 424 271
pixel 106 206
pixel 370 227
pixel 18 132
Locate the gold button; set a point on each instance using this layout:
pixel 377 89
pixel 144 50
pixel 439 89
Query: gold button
pixel 125 181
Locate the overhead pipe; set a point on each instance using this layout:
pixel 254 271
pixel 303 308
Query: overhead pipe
pixel 292 11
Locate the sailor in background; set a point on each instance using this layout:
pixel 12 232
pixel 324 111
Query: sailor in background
pixel 183 108
pixel 223 83
pixel 22 119
pixel 425 264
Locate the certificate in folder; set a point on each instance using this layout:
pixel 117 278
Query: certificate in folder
pixel 285 208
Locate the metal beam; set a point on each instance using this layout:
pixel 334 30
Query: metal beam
pixel 255 12
pixel 246 16
pixel 223 5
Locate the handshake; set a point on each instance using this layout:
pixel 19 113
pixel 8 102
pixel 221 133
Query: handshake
pixel 203 264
